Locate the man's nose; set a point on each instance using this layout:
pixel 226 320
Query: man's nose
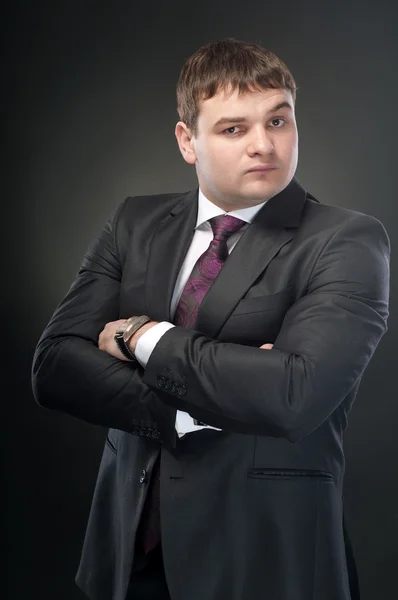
pixel 260 142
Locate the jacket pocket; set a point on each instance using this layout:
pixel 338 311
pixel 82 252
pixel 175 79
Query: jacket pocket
pixel 261 473
pixel 281 300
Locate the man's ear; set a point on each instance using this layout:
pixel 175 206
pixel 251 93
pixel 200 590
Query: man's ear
pixel 185 142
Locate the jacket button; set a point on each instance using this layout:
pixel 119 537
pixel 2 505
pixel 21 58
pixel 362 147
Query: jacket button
pixel 161 382
pixel 143 476
pixel 182 390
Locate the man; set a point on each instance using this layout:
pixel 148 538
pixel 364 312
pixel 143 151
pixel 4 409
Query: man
pixel 221 335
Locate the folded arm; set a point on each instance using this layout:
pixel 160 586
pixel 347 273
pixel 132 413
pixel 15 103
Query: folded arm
pixel 325 343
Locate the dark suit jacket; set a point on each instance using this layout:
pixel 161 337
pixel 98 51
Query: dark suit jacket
pixel 253 512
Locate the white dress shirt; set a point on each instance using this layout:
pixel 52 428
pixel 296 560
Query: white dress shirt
pixel 200 242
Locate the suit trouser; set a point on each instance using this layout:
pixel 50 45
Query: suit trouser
pixel 148 580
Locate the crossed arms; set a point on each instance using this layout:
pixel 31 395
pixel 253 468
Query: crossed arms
pixel 325 343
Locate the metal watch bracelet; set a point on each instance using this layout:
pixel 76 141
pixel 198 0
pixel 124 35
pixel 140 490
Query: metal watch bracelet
pixel 123 336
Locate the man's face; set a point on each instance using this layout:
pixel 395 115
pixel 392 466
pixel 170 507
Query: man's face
pixel 246 146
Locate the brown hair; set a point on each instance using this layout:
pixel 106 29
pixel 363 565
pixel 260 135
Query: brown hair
pixel 226 64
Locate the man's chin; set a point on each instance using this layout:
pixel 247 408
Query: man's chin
pixel 262 191
pixel 259 194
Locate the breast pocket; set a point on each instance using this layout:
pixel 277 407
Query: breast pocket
pixel 264 303
pixel 257 319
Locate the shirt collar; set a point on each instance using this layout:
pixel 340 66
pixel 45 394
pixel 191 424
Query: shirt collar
pixel 207 210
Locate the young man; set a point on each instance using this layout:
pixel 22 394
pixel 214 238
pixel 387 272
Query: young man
pixel 221 335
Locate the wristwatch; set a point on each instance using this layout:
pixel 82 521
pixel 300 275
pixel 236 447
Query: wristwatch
pixel 125 331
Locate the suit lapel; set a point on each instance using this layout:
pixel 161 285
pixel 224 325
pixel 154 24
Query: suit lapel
pixel 273 227
pixel 169 246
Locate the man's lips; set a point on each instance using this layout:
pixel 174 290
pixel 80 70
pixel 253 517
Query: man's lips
pixel 261 168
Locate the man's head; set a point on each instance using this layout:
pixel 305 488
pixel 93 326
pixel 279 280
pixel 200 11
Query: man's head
pixel 236 105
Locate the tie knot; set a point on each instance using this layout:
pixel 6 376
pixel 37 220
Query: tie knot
pixel 224 226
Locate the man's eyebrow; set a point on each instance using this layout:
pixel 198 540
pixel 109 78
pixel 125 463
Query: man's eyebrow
pixel 284 104
pixel 225 120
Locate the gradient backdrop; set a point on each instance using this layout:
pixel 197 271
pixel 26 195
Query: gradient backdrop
pixel 90 115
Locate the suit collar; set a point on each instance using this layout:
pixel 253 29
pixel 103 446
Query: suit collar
pixel 284 209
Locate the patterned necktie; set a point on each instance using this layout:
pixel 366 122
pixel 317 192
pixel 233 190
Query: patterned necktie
pixel 203 274
pixel 206 270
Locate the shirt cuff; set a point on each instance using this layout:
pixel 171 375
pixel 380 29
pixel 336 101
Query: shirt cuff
pixel 148 341
pixel 185 424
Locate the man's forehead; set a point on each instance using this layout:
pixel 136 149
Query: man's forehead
pixel 266 98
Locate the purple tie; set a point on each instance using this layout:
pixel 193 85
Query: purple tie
pixel 205 270
pixel 203 274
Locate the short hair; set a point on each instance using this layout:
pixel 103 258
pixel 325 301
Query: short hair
pixel 228 64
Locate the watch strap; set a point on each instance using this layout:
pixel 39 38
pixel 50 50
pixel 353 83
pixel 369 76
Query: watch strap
pixel 124 349
pixel 129 328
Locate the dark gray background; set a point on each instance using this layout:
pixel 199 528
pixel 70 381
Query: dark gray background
pixel 90 112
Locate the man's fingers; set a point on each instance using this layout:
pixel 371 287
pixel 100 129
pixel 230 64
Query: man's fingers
pixel 267 346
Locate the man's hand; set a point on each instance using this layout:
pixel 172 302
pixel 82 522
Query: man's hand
pixel 106 341
pixel 267 346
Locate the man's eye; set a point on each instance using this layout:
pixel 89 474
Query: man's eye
pixel 231 130
pixel 276 121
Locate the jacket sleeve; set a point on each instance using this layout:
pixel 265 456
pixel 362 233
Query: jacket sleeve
pixel 71 374
pixel 327 339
